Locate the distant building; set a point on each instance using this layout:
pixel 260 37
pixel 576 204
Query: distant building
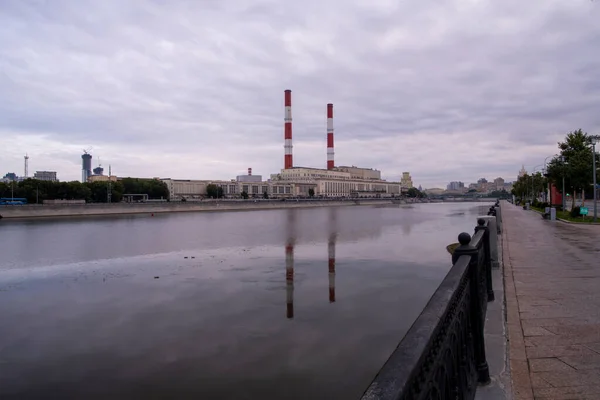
pixel 196 189
pixel 86 166
pixel 522 172
pixel 9 177
pixel 98 170
pixel 102 178
pixel 499 184
pixel 455 186
pixel 406 180
pixel 434 191
pixel 45 176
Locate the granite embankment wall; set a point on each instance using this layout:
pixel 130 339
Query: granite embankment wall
pixel 42 211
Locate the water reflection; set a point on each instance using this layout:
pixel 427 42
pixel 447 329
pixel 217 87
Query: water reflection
pixel 289 261
pixel 331 252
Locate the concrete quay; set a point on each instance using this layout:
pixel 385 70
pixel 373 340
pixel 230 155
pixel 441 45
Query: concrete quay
pixel 100 209
pixel 552 290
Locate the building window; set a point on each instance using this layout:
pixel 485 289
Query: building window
pixel 245 188
pixel 254 189
pixel 288 189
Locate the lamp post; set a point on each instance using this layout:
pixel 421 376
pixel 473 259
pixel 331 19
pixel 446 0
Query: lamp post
pixel 548 194
pixel 594 141
pixel 532 179
pixel 562 159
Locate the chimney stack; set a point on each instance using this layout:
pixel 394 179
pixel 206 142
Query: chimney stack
pixel 330 163
pixel 288 161
pixel 249 171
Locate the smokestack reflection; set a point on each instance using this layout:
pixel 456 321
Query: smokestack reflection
pixel 331 251
pixel 289 262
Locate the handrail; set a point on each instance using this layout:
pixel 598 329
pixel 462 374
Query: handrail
pixel 442 356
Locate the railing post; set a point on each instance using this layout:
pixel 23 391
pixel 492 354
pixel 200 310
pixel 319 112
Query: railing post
pixel 475 309
pixel 499 218
pixel 488 257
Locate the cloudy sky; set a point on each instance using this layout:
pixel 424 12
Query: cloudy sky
pixel 445 89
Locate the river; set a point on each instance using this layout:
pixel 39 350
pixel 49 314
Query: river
pixel 290 303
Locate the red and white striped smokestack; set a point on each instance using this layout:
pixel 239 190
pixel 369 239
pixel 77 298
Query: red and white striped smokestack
pixel 249 171
pixel 288 161
pixel 330 164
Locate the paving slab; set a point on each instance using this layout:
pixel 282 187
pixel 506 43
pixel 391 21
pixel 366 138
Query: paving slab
pixel 552 287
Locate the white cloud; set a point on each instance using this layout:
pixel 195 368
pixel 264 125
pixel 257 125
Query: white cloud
pixel 449 90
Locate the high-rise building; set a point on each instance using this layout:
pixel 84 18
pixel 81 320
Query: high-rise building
pixel 455 186
pixel 522 172
pixel 86 166
pixel 499 183
pixel 45 176
pixel 406 180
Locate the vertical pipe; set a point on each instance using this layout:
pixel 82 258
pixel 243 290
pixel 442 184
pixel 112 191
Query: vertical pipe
pixel 330 153
pixel 288 161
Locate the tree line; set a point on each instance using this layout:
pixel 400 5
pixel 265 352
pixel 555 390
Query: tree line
pixel 92 192
pixel 573 163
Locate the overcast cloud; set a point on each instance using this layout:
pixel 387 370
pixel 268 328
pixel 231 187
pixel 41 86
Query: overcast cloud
pixel 445 89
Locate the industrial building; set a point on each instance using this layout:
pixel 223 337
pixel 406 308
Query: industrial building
pixel 294 181
pixel 253 185
pixel 333 181
pixel 45 176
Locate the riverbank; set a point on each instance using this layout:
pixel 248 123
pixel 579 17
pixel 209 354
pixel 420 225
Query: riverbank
pixel 83 210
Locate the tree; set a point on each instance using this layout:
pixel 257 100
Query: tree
pixel 311 192
pixel 576 167
pixel 244 195
pixel 213 191
pixel 414 192
pixel 265 195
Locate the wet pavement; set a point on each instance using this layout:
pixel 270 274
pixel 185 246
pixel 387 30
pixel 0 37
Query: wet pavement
pixel 552 282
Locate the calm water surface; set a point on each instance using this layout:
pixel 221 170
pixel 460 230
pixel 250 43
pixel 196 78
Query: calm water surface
pixel 292 303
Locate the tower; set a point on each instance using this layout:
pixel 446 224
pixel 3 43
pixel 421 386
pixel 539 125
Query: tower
pixel 86 165
pixel 287 134
pixel 330 153
pixel 26 166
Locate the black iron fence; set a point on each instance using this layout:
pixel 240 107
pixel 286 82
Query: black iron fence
pixel 442 355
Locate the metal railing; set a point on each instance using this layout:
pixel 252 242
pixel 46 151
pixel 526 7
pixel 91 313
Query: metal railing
pixel 442 356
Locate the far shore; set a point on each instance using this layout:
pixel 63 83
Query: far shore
pixel 103 209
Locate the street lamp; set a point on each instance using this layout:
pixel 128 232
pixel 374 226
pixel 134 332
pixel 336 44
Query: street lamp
pixel 562 159
pixel 548 196
pixel 532 176
pixel 594 141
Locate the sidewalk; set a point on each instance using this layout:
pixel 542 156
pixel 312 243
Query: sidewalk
pixel 552 289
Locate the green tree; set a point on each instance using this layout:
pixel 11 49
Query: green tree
pixel 576 167
pixel 265 195
pixel 414 193
pixel 212 191
pixel 244 195
pixel 311 192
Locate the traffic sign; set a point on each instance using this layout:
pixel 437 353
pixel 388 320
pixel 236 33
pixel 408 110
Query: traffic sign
pixel 583 211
